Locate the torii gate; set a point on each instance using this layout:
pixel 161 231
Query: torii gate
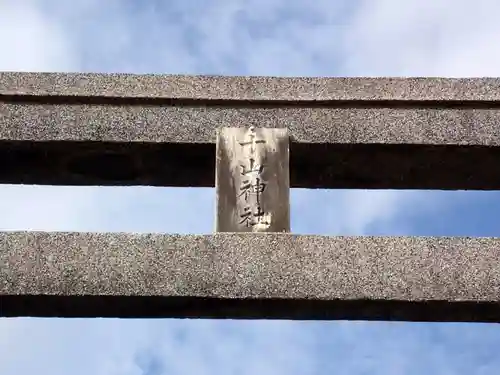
pixel 252 138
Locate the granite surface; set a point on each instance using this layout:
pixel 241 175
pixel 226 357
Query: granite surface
pixel 245 275
pixel 198 124
pixel 363 133
pixel 249 88
pixel 363 148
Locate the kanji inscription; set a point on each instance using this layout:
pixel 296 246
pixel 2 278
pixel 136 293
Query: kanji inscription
pixel 252 180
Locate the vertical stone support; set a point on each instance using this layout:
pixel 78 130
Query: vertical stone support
pixel 252 180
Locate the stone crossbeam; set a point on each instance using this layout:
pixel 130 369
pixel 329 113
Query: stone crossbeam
pixel 368 133
pixel 245 275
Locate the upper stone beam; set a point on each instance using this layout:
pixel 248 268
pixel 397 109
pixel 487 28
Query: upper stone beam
pixel 249 88
pixel 363 133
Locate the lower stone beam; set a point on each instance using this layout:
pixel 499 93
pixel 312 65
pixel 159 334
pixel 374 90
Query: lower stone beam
pixel 249 276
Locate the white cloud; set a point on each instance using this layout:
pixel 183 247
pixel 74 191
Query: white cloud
pixel 450 38
pixel 31 41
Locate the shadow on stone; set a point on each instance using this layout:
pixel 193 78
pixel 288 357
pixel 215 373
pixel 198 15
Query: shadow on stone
pixel 216 308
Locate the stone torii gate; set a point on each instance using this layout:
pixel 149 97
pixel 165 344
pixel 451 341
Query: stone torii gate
pixel 253 139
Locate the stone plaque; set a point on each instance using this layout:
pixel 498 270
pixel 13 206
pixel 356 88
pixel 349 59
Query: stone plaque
pixel 252 180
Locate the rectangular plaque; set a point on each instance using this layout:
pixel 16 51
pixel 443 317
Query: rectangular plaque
pixel 252 180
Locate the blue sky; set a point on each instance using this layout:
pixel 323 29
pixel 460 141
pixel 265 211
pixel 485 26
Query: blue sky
pixel 451 38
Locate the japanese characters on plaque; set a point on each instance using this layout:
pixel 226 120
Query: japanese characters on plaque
pixel 252 180
pixel 252 185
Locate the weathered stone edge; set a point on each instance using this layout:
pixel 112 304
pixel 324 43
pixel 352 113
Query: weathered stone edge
pixel 259 267
pixel 249 88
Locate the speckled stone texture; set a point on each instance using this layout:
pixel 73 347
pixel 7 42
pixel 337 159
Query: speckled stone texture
pixel 364 133
pixel 249 88
pixel 143 122
pixel 261 275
